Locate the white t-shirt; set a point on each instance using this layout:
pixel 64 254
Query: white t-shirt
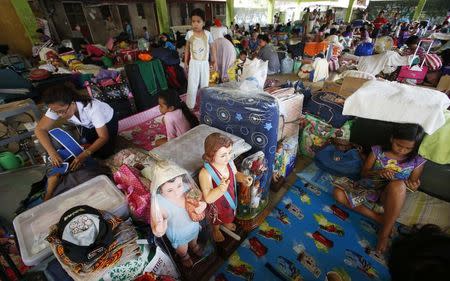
pixel 95 115
pixel 199 46
pixel 218 32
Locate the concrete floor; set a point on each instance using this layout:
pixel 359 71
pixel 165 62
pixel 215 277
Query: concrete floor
pixel 15 186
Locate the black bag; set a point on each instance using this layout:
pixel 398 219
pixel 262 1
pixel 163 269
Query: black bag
pixel 142 97
pixel 297 49
pixel 166 56
pixel 328 107
pixel 367 133
pixel 116 95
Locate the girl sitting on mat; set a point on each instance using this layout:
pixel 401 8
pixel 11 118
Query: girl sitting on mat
pixel 390 171
pixel 178 119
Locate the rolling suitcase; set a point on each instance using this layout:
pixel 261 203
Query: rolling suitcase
pixel 416 72
pixel 251 116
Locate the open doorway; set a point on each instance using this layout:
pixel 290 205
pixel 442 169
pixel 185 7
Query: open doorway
pixel 75 15
pixel 124 13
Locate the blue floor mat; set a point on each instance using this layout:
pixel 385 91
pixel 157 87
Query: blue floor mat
pixel 305 237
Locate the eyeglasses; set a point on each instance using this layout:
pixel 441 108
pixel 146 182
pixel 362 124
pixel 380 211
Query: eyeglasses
pixel 61 112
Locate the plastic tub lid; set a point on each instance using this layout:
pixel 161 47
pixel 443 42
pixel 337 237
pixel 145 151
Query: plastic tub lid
pixel 32 226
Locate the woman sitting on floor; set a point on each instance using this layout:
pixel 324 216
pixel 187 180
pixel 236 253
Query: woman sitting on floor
pixel 267 52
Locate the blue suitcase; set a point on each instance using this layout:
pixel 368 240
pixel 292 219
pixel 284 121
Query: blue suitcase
pixel 251 116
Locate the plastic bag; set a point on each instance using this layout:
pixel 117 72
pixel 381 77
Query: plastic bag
pixel 364 49
pixel 383 44
pixel 256 69
pixel 162 264
pixel 305 71
pixel 287 65
pixel 171 187
pixel 254 198
pixel 136 190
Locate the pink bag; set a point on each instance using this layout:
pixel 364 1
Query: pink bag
pixel 333 63
pixel 417 73
pixel 136 190
pixel 433 62
pixel 414 73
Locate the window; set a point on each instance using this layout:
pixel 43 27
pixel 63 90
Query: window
pixel 140 10
pixel 219 9
pixel 124 14
pixel 75 15
pixel 105 11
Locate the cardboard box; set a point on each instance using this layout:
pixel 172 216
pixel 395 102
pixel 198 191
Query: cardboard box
pixel 350 85
pixel 331 86
pixel 444 84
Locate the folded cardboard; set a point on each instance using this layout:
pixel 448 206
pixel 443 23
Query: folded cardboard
pixel 350 85
pixel 444 84
pixel 331 86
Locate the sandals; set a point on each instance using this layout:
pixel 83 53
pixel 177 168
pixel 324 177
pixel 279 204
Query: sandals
pixel 186 260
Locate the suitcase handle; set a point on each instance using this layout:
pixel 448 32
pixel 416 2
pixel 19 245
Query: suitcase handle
pixel 415 52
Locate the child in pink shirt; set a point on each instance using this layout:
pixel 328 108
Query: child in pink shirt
pixel 178 119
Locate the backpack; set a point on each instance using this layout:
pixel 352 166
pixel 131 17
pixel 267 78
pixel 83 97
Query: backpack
pixel 327 106
pixel 364 49
pixel 338 162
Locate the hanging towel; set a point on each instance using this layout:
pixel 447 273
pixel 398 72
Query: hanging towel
pixel 436 147
pixel 153 75
pixel 400 103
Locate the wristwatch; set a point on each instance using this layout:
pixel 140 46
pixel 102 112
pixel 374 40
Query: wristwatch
pixel 88 152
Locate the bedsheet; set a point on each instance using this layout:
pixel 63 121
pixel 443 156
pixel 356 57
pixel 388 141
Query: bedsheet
pixel 146 133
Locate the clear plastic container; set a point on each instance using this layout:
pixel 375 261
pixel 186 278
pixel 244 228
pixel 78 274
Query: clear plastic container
pixel 32 226
pixel 187 150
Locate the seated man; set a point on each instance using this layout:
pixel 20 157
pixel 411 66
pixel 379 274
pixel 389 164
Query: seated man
pixel 266 52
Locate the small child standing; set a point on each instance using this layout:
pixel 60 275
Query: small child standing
pixel 391 171
pixel 196 56
pixel 178 119
pixel 239 65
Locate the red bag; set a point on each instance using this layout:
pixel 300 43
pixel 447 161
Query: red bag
pixel 138 195
pixel 172 77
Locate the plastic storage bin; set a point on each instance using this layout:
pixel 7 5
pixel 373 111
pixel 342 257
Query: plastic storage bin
pixel 32 226
pixel 186 150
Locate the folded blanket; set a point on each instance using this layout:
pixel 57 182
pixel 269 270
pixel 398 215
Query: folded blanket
pixel 386 62
pixel 400 103
pixel 436 147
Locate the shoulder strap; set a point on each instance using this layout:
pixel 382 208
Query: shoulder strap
pixel 212 173
pixel 66 140
pixel 216 179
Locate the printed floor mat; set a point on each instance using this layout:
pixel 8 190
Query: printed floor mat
pixel 307 237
